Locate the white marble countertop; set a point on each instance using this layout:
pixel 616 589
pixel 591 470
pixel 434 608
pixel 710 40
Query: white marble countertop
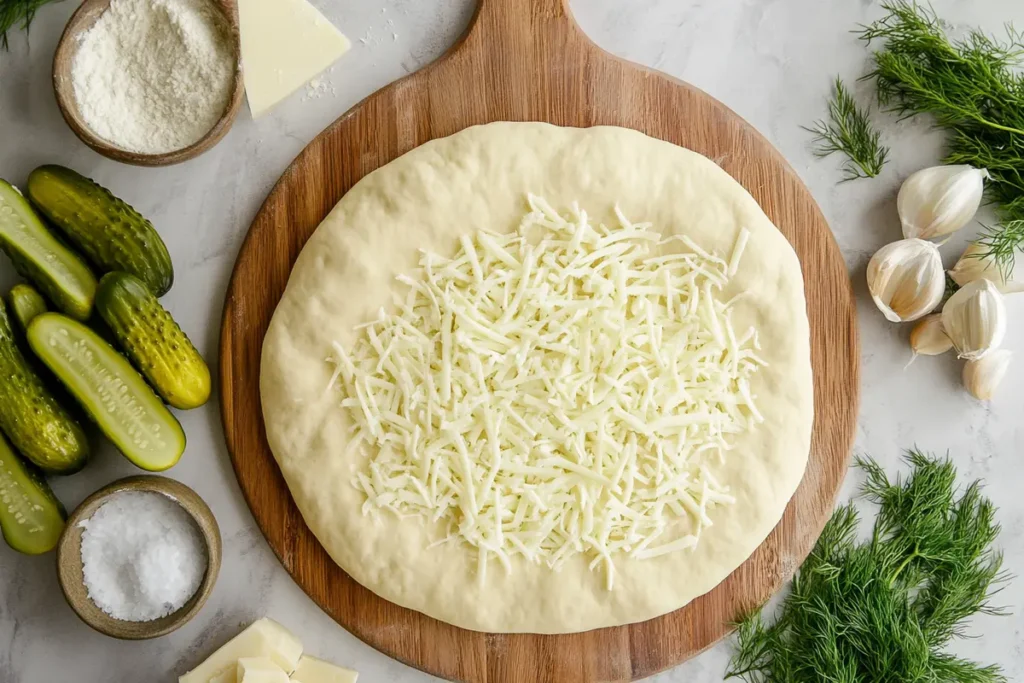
pixel 771 61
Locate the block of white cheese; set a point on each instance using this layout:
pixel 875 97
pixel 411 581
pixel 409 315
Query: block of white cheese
pixel 228 676
pixel 285 44
pixel 313 670
pixel 259 670
pixel 264 638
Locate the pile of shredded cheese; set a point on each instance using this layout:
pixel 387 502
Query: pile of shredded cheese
pixel 563 389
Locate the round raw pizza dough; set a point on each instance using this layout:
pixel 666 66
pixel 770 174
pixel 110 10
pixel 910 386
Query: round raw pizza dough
pixel 479 178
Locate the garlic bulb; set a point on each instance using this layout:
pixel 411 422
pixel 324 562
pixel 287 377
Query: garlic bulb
pixel 939 200
pixel 975 319
pixel 906 279
pixel 972 266
pixel 982 377
pixel 928 338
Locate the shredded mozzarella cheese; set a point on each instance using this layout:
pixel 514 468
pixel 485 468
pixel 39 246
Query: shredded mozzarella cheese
pixel 562 390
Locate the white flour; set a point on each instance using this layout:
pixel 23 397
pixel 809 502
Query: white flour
pixel 154 76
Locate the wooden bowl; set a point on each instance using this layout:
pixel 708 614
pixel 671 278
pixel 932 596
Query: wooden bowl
pixel 69 559
pixel 82 20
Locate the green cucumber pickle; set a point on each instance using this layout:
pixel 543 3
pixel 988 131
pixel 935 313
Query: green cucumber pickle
pixel 41 258
pixel 153 341
pixel 26 303
pixel 111 234
pixel 31 517
pixel 110 390
pixel 30 415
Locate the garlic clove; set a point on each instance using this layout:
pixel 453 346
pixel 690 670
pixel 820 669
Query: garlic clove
pixel 975 319
pixel 982 377
pixel 928 338
pixel 939 200
pixel 906 279
pixel 974 265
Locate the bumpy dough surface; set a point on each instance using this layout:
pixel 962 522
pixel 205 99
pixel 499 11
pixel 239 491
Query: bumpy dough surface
pixel 479 178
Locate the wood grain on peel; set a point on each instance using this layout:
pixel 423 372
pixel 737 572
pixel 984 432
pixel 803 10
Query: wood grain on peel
pixel 525 60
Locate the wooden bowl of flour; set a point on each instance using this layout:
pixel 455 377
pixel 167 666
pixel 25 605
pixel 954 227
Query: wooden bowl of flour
pixel 84 18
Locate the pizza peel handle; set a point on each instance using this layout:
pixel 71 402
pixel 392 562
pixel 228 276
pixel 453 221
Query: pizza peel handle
pixel 510 11
pixel 526 60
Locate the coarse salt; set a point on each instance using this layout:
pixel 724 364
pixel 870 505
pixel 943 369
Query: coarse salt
pixel 143 556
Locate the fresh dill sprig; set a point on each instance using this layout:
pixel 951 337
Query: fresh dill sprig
pixel 849 132
pixel 974 89
pixel 1002 243
pixel 884 609
pixel 17 11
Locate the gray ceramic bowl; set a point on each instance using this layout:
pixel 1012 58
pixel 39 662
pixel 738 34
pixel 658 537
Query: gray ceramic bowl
pixel 69 559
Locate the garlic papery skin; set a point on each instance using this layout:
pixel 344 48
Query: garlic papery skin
pixel 973 265
pixel 928 338
pixel 940 200
pixel 982 377
pixel 975 319
pixel 906 279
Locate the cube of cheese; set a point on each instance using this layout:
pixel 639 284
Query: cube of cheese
pixel 313 670
pixel 263 638
pixel 259 670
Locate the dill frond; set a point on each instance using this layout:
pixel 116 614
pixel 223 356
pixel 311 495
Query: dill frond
pixel 973 88
pixel 1002 242
pixel 884 609
pixel 849 132
pixel 17 12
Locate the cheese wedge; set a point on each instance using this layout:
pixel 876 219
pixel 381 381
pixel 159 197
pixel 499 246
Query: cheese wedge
pixel 259 670
pixel 313 670
pixel 285 44
pixel 264 638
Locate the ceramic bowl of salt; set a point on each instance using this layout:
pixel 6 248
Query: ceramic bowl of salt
pixel 139 557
